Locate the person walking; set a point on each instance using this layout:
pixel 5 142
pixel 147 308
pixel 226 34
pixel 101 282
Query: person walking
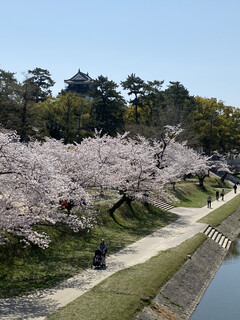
pixel 209 201
pixel 235 188
pixel 222 194
pixel 103 248
pixel 217 195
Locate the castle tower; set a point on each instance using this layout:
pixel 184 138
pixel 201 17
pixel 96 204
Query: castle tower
pixel 79 83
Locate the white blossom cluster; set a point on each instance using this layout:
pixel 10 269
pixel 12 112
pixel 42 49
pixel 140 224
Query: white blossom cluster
pixel 33 181
pixel 35 178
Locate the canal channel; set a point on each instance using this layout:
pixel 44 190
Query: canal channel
pixel 221 300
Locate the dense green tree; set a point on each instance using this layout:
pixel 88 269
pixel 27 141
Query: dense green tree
pixel 149 104
pixel 35 88
pixel 130 115
pixel 9 99
pixel 108 106
pixel 144 114
pixel 29 109
pixel 153 98
pixel 17 107
pixel 215 124
pixel 178 104
pixel 40 81
pixel 66 117
pixel 230 142
pixel 236 129
pixel 27 124
pixel 136 88
pixel 155 108
pixel 177 108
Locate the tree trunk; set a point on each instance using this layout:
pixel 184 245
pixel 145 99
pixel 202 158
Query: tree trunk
pixel 118 204
pixel 223 177
pixel 136 114
pixel 201 179
pixel 23 133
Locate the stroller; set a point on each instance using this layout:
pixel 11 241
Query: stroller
pixel 97 259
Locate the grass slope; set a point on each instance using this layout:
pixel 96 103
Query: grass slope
pixel 217 216
pixel 124 295
pixel 190 194
pixel 24 270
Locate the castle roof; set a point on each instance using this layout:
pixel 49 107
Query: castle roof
pixel 79 78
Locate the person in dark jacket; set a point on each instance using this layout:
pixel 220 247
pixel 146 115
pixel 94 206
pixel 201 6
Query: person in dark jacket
pixel 222 194
pixel 103 248
pixel 235 188
pixel 209 201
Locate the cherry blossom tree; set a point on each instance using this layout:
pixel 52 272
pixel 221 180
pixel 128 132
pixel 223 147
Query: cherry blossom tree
pixel 219 164
pixel 200 165
pixel 32 183
pixel 36 177
pixel 127 165
pixel 175 161
pixel 187 160
pixel 172 155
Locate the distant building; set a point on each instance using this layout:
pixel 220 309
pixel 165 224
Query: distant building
pixel 79 83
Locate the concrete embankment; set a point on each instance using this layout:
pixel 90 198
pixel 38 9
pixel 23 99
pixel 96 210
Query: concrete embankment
pixel 179 297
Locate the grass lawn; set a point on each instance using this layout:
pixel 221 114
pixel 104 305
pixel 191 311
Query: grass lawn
pixel 217 216
pixel 24 270
pixel 190 194
pixel 124 294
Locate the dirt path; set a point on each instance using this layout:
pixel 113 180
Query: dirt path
pixel 43 303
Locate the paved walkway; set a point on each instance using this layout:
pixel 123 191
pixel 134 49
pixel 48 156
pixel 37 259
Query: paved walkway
pixel 37 306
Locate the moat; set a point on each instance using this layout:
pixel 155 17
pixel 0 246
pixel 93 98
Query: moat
pixel 222 297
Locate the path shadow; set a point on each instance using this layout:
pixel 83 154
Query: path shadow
pixel 27 307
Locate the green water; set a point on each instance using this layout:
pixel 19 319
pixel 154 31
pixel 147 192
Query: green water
pixel 221 300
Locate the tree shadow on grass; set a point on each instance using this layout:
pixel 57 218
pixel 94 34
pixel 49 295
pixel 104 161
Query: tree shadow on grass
pixel 179 194
pixel 143 218
pixel 69 253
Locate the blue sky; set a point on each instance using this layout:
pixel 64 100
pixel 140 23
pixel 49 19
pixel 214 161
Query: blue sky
pixel 195 42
